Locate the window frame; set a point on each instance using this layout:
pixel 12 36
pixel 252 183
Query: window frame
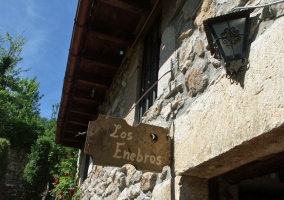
pixel 150 67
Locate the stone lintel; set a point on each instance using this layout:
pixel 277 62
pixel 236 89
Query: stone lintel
pixel 255 149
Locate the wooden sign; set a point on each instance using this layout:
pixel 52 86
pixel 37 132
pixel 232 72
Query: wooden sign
pixel 112 142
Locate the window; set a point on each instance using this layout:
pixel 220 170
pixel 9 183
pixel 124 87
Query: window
pixel 150 68
pixel 86 164
pixel 262 179
pixel 88 161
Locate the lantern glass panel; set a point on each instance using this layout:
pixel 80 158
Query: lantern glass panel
pixel 230 37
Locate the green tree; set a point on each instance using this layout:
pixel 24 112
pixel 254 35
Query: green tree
pixel 44 161
pixel 10 51
pixel 4 151
pixel 21 124
pixel 36 174
pixel 19 97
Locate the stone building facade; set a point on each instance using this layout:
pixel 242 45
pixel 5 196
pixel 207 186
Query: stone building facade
pixel 227 139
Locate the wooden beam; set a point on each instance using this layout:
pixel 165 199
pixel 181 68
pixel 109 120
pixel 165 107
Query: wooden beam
pixel 105 87
pixel 80 112
pixel 101 57
pixel 95 34
pixel 85 100
pixel 73 127
pixel 85 110
pixel 76 123
pixel 95 96
pixel 94 78
pixel 99 64
pixel 79 119
pixel 126 7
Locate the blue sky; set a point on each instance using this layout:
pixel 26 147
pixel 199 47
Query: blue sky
pixel 48 26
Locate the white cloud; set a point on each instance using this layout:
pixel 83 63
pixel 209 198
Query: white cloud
pixel 32 9
pixel 48 27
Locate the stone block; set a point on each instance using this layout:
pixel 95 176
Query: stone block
pixel 196 81
pixel 132 175
pixel 186 54
pixel 88 197
pixel 162 191
pixel 166 111
pixel 230 125
pixel 123 195
pixel 100 188
pixel 120 180
pixel 148 181
pixel 165 75
pixel 199 48
pixel 186 34
pixel 143 197
pixel 190 188
pixel 206 11
pixel 134 191
pixel 155 110
pixel 110 189
pixel 172 89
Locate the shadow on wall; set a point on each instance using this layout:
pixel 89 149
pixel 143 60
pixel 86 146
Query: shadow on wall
pixel 253 32
pixel 177 25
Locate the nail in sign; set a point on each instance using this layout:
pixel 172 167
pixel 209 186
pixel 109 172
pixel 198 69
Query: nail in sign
pixel 112 142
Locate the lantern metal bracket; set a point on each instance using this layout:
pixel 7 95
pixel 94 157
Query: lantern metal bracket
pixel 257 6
pixel 233 74
pixel 227 35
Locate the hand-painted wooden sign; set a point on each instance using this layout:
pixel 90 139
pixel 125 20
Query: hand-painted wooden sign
pixel 112 142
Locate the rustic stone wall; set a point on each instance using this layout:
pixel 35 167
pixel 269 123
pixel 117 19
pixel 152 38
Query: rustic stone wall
pixel 123 183
pixel 215 126
pixel 233 119
pixel 125 89
pixel 18 158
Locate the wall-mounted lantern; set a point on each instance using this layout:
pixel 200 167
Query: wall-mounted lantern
pixel 227 36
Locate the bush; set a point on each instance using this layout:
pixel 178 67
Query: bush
pixel 19 133
pixel 46 159
pixel 37 171
pixel 4 152
pixel 65 181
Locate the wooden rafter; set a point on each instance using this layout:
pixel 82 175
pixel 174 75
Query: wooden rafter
pixel 126 7
pixel 94 78
pixel 82 112
pixel 96 95
pixel 97 64
pixel 93 84
pixel 89 101
pixel 95 34
pixel 76 123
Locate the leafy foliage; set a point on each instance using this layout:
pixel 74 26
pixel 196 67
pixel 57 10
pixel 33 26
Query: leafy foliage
pixel 44 156
pixel 10 51
pixel 19 97
pixel 47 161
pixel 65 180
pixel 21 124
pixel 4 150
pixel 36 172
pixel 20 133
